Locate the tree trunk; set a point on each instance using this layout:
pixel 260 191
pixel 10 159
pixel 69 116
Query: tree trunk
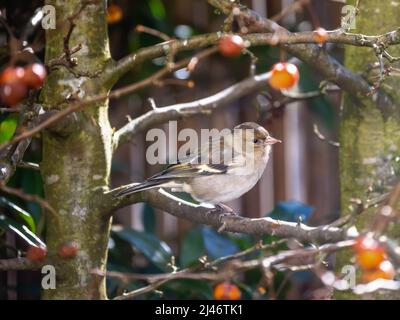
pixel 77 157
pixel 370 127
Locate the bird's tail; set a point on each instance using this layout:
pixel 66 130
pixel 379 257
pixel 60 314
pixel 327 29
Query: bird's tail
pixel 138 187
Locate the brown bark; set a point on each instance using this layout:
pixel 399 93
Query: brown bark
pixel 76 161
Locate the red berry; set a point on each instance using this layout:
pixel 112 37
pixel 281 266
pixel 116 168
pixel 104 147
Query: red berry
pixel 12 74
pixel 370 253
pixel 227 291
pixel 13 93
pixel 231 46
pixel 283 76
pixel 34 75
pixel 68 250
pixel 320 35
pixel 36 254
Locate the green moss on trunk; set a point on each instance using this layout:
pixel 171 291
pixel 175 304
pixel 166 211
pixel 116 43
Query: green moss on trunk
pixel 76 165
pixel 370 127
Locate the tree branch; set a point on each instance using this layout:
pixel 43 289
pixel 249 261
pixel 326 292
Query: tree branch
pixel 18 264
pixel 284 37
pixel 312 54
pixel 203 215
pixel 156 280
pixel 177 111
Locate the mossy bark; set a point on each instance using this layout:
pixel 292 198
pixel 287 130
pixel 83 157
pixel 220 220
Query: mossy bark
pixel 77 160
pixel 370 126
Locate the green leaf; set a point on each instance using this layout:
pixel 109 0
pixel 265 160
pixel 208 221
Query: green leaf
pixel 32 183
pixel 24 215
pixel 184 289
pixel 7 127
pixel 157 9
pixel 192 248
pixel 21 230
pixel 217 245
pixel 291 211
pixel 157 251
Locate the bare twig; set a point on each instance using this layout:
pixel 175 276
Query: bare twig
pixel 360 207
pixel 177 111
pixel 153 32
pixel 18 264
pixel 293 7
pixel 27 197
pixel 29 165
pixel 321 137
pixel 387 212
pixel 234 268
pixel 140 291
pixel 115 71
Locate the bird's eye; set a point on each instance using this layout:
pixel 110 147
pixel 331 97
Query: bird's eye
pixel 256 141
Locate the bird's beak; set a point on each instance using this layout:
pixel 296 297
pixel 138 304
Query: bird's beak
pixel 272 140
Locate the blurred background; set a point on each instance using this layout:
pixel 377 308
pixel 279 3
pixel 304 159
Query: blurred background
pixel 301 181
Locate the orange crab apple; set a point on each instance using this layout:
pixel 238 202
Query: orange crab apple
pixel 227 291
pixel 13 93
pixel 114 14
pixel 36 254
pixel 284 75
pixel 384 271
pixel 34 75
pixel 369 252
pixel 12 74
pixel 68 250
pixel 231 46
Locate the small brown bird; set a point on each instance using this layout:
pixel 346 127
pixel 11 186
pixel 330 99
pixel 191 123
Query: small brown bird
pixel 244 153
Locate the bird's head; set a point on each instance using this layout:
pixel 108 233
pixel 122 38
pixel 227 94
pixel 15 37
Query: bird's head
pixel 255 136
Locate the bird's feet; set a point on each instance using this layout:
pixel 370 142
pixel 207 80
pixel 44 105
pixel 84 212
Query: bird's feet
pixel 225 210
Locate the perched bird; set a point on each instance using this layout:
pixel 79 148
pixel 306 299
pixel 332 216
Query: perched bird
pixel 243 156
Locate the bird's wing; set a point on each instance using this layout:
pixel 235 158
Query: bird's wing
pixel 174 174
pixel 188 170
pixel 218 151
pixel 197 164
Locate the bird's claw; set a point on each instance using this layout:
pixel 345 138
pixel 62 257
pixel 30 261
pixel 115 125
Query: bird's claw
pixel 225 210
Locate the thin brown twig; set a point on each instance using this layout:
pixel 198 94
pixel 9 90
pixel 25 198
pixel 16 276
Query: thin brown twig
pixel 244 253
pixel 27 197
pixel 28 165
pixel 10 110
pixel 188 273
pixel 140 291
pixel 143 29
pixel 321 137
pixel 18 264
pixel 387 212
pixel 236 267
pixel 360 207
pixel 293 7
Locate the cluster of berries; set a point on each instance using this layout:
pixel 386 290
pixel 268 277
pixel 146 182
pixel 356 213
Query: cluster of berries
pixel 15 81
pixel 39 253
